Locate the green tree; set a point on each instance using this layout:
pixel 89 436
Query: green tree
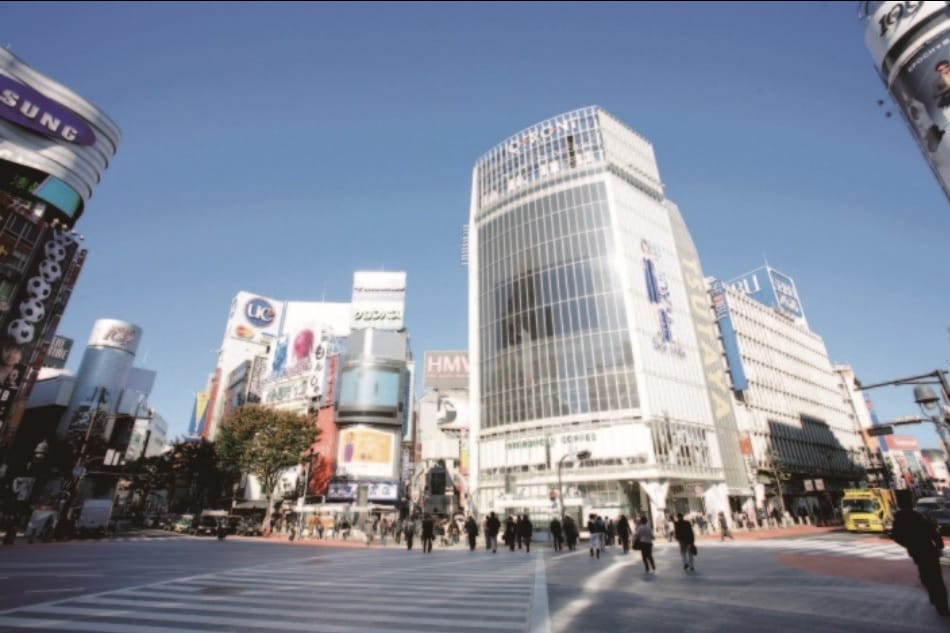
pixel 263 442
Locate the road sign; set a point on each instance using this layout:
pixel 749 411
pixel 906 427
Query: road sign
pixel 874 431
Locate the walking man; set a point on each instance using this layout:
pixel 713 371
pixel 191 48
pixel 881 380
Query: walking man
pixel 492 525
pixel 409 531
pixel 471 530
pixel 525 529
pixel 687 540
pixel 921 538
pixel 570 533
pixel 645 535
pixel 623 533
pixel 556 534
pixel 724 528
pixel 428 533
pixel 596 528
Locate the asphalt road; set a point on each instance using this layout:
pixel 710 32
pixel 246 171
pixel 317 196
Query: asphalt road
pixel 831 582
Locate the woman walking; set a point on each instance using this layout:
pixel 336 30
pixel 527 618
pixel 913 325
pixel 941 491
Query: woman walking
pixel 645 536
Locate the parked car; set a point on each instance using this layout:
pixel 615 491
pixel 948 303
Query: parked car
pixel 183 524
pixel 207 523
pixel 249 527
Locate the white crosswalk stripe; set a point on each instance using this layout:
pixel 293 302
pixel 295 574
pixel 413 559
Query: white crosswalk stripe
pixel 860 549
pixel 330 593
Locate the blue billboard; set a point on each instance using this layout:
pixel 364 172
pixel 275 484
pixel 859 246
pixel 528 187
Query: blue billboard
pixel 717 293
pixel 771 288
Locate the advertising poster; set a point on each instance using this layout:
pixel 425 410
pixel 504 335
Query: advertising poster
pixel 366 452
pixel 32 307
pixel 379 300
pixel 921 89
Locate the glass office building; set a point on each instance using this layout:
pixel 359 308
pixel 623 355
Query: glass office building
pixel 590 330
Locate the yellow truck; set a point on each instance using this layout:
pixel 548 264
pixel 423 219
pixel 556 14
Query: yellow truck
pixel 868 510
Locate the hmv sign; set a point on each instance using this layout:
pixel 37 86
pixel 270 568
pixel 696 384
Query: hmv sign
pixel 446 370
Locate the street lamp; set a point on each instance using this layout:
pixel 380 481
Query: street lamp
pixel 584 454
pixel 308 455
pixel 928 401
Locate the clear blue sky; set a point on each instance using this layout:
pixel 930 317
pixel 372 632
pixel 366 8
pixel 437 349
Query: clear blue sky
pixel 276 148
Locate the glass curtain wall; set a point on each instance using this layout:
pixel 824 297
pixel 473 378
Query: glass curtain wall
pixel 554 340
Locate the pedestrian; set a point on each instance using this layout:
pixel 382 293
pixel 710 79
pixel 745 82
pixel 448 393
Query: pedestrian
pixel 921 538
pixel 518 530
pixel 596 528
pixel 777 516
pixel 611 533
pixel 368 530
pixel 644 535
pixel 525 529
pixel 724 528
pixel 409 530
pixel 428 534
pixel 570 533
pixel 471 530
pixel 687 540
pixel 556 535
pixel 383 530
pixel 623 533
pixel 510 533
pixel 492 525
pixel 670 528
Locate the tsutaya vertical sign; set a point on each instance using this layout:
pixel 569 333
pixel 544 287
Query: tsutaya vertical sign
pixel 379 300
pixel 720 401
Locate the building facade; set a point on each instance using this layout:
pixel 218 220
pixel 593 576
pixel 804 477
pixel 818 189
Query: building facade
pixel 54 147
pixel 590 330
pixel 799 435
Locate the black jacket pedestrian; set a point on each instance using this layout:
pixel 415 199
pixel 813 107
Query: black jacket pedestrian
pixel 683 531
pixel 921 538
pixel 525 530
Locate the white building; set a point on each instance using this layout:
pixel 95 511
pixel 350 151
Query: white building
pixel 590 330
pixel 796 425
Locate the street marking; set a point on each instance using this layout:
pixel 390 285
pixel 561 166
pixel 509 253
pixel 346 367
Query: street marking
pixel 53 590
pixel 540 618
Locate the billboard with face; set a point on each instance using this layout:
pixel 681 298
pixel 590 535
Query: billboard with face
pixel 36 303
pixel 910 43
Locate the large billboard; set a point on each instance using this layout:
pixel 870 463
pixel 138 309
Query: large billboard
pixel 36 304
pixel 379 300
pixel 58 352
pixel 54 145
pixel 910 43
pixel 366 452
pixel 771 288
pixel 253 318
pixel 446 370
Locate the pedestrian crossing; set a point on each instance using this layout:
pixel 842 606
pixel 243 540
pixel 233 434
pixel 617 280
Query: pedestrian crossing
pixel 381 591
pixel 864 548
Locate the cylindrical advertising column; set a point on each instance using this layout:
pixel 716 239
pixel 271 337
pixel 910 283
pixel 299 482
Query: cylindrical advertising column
pixel 910 44
pixel 105 365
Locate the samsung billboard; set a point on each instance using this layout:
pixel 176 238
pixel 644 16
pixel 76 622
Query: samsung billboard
pixel 54 143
